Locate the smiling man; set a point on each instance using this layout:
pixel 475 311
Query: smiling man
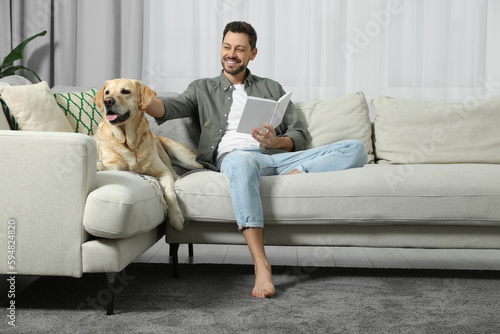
pixel 236 53
pixel 218 105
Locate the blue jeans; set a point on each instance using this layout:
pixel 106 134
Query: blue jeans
pixel 245 167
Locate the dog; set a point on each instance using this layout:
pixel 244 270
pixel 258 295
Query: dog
pixel 125 141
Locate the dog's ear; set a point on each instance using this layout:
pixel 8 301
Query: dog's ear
pixel 99 98
pixel 145 94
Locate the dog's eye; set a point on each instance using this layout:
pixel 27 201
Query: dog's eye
pixel 106 92
pixel 125 91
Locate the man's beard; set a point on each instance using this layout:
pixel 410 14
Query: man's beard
pixel 236 71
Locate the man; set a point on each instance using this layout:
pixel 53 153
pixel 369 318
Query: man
pixel 218 104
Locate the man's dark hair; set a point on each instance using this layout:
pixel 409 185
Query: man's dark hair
pixel 242 27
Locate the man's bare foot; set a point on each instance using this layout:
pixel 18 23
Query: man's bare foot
pixel 264 286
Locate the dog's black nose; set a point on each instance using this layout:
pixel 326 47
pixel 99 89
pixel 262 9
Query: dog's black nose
pixel 109 101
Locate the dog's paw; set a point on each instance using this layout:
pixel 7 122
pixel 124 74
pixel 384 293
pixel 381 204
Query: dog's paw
pixel 177 222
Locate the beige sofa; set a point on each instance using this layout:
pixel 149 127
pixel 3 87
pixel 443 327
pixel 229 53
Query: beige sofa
pixel 68 220
pixel 433 181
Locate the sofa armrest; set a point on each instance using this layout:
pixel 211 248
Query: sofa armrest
pixel 44 181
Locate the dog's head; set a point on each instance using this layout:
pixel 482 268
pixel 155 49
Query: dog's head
pixel 121 99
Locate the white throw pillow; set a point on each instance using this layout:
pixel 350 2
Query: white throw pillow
pixel 419 131
pixel 34 108
pixel 338 119
pixel 4 124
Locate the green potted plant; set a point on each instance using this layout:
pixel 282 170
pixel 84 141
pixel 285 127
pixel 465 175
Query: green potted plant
pixel 8 68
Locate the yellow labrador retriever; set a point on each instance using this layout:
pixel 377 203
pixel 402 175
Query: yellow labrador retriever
pixel 126 142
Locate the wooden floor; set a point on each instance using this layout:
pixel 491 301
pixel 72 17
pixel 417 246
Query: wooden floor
pixel 477 259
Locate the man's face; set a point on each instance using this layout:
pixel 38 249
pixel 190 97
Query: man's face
pixel 236 53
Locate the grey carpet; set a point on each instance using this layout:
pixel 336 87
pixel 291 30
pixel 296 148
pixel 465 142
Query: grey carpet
pixel 211 298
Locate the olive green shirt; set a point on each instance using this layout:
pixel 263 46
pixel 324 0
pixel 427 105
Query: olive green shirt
pixel 209 101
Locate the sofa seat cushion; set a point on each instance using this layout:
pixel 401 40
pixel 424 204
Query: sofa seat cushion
pixel 462 194
pixel 122 205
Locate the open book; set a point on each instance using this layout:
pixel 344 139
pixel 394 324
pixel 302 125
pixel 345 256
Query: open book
pixel 258 111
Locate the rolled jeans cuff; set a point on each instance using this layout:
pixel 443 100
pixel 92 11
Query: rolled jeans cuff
pixel 250 225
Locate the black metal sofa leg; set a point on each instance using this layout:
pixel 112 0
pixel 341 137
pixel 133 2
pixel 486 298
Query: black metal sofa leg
pixel 190 250
pixel 110 306
pixel 174 253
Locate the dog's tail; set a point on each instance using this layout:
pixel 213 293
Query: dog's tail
pixel 179 151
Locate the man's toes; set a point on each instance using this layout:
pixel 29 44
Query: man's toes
pixel 262 293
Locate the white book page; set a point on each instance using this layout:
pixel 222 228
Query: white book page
pixel 258 111
pixel 280 109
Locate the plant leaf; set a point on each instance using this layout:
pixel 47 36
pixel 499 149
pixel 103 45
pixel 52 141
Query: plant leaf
pixel 17 52
pixel 34 73
pixel 11 71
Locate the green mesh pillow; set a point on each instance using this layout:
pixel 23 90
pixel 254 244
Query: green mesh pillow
pixel 80 110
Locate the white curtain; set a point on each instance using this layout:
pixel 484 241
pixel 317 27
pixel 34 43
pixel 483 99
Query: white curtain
pixel 87 42
pixel 20 20
pixel 439 49
pixel 445 50
pixel 97 40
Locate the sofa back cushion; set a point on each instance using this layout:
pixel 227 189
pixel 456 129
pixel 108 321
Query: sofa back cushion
pixel 418 131
pixel 12 80
pixel 184 130
pixel 4 125
pixel 80 110
pixel 327 121
pixel 338 119
pixel 33 108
